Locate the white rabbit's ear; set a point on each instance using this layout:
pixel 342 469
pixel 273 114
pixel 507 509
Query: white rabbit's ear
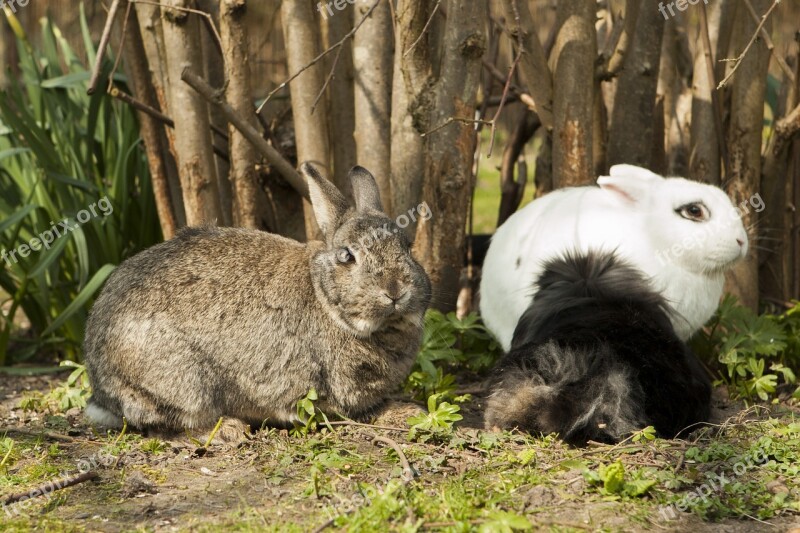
pixel 329 204
pixel 365 189
pixel 631 183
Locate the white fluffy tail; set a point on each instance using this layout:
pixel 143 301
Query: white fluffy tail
pixel 102 416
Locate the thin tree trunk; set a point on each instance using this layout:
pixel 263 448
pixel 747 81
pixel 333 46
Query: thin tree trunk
pixel 632 133
pixel 574 56
pixel 149 18
pixel 194 152
pixel 342 101
pixel 533 64
pixel 372 62
pixel 410 84
pixel 744 141
pixel 704 156
pixel 214 69
pixel 301 35
pixel 247 204
pixel 449 152
pixel 152 131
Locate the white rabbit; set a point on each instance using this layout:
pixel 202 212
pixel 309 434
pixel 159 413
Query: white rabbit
pixel 683 234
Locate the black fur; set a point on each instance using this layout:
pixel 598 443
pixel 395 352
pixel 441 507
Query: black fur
pixel 595 357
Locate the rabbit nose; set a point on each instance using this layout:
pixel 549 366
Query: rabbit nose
pixel 393 291
pixel 740 242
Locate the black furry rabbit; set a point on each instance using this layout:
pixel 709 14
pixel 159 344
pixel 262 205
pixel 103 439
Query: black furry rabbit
pixel 595 357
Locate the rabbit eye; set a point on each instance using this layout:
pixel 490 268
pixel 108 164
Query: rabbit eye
pixel 696 212
pixel 344 255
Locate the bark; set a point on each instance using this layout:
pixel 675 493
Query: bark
pixel 149 19
pixel 248 207
pixel 193 148
pixel 449 151
pixel 214 68
pixel 744 141
pixel 779 183
pixel 574 86
pixel 372 63
pixel 342 102
pixel 627 27
pixel 410 83
pixel 704 154
pixel 301 35
pixel 152 131
pixel 632 131
pixel 533 68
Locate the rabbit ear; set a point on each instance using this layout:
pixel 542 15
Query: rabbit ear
pixel 365 189
pixel 329 204
pixel 631 183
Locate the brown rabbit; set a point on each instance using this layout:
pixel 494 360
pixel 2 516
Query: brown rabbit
pixel 239 323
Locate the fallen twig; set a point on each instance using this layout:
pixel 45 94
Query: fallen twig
pixel 50 487
pixel 34 433
pixel 408 472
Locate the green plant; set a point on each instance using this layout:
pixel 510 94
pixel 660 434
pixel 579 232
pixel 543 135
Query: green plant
pixel 62 152
pixel 450 344
pixel 308 415
pixel 72 393
pixel 755 352
pixel 438 422
pixel 153 446
pixel 612 480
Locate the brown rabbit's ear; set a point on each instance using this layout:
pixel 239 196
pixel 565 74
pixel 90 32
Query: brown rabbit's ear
pixel 329 204
pixel 365 189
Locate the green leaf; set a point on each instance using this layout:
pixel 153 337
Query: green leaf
pixel 81 299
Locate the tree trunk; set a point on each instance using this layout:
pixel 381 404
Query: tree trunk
pixel 214 69
pixel 533 67
pixel 149 19
pixel 301 35
pixel 449 151
pixel 372 62
pixel 410 85
pixel 247 204
pixel 152 131
pixel 573 85
pixel 194 152
pixel 342 101
pixel 704 156
pixel 744 141
pixel 632 133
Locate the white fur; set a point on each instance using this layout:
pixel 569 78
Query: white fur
pixel 633 212
pixel 101 417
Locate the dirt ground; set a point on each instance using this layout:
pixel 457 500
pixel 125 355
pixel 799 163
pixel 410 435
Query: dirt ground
pixel 286 483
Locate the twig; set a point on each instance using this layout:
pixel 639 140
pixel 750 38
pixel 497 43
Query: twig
pixel 121 45
pixel 274 157
pixel 738 60
pixel 319 57
pixel 456 119
pixel 101 48
pixel 408 472
pixel 770 45
pixel 328 79
pixel 359 424
pixel 503 99
pixel 203 14
pixel 50 487
pixel 424 29
pixel 33 433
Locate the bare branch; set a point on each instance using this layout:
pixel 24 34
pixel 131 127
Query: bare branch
pixel 738 61
pixel 213 96
pixel 319 57
pixel 101 48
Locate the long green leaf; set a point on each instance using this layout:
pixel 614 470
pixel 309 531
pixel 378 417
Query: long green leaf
pixel 81 299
